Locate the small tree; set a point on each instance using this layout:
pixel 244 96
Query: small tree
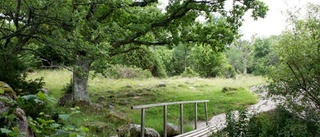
pixel 298 76
pixel 240 56
pixel 264 57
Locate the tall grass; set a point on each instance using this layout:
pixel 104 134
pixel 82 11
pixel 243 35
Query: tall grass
pixel 124 93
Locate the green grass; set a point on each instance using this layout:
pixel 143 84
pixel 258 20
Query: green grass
pixel 120 92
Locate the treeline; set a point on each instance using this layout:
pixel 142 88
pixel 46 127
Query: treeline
pixel 256 56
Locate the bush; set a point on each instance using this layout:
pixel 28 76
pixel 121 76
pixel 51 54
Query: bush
pixel 208 62
pixel 142 57
pixel 279 122
pixel 189 73
pixel 13 72
pixel 121 71
pixel 42 118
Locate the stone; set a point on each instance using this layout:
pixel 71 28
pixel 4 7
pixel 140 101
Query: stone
pixel 128 86
pixel 123 102
pixel 7 103
pixel 96 106
pixel 101 99
pixel 117 117
pixel 226 89
pixel 130 94
pixel 161 85
pixel 134 130
pixel 97 126
pixel 22 122
pixel 45 90
pixel 172 130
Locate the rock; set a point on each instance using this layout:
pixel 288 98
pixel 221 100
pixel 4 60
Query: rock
pixel 133 130
pixel 45 90
pixel 7 91
pixel 7 103
pixel 161 85
pixel 111 105
pixel 117 117
pixel 131 94
pixel 97 126
pixel 123 102
pixel 97 106
pixel 22 122
pixel 66 100
pixel 225 89
pixel 101 99
pixel 172 130
pixel 128 86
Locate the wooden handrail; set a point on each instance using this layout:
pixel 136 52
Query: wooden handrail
pixel 165 106
pixel 168 104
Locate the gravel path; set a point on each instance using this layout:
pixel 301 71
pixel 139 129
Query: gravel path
pixel 218 122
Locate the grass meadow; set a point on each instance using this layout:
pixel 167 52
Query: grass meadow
pixel 118 95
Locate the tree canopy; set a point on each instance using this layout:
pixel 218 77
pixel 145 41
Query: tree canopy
pixel 297 76
pixel 88 31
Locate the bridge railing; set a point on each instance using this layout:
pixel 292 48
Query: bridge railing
pixel 165 112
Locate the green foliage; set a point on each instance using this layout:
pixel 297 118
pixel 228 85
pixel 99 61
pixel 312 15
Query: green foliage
pixel 45 125
pixel 68 88
pixel 189 73
pixel 264 57
pixel 33 104
pixel 13 71
pixel 42 118
pixel 52 57
pixel 86 31
pixel 278 122
pixel 121 71
pixel 297 76
pixel 240 56
pixel 207 62
pixel 238 126
pixel 144 58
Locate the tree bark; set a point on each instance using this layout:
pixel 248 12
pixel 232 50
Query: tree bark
pixel 245 66
pixel 80 82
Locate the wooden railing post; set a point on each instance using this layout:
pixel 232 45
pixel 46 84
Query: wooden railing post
pixel 165 121
pixel 195 115
pixel 206 112
pixel 181 118
pixel 142 121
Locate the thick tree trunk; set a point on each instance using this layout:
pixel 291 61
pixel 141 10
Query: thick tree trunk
pixel 80 82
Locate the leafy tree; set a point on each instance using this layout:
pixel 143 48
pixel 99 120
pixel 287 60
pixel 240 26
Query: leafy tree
pixel 297 77
pixel 264 57
pixel 92 31
pixel 108 26
pixel 240 56
pixel 207 62
pixel 23 22
pixel 167 57
pixel 145 58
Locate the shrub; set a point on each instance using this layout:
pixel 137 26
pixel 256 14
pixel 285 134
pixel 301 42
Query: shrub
pixel 208 62
pixel 279 122
pixel 121 71
pixel 189 73
pixel 142 57
pixel 13 72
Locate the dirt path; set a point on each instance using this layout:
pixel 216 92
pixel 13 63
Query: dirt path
pixel 218 122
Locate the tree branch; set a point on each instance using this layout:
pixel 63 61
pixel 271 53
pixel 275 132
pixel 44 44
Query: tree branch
pixel 149 43
pixel 179 13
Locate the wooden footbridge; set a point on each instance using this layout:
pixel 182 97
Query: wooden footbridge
pixel 197 132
